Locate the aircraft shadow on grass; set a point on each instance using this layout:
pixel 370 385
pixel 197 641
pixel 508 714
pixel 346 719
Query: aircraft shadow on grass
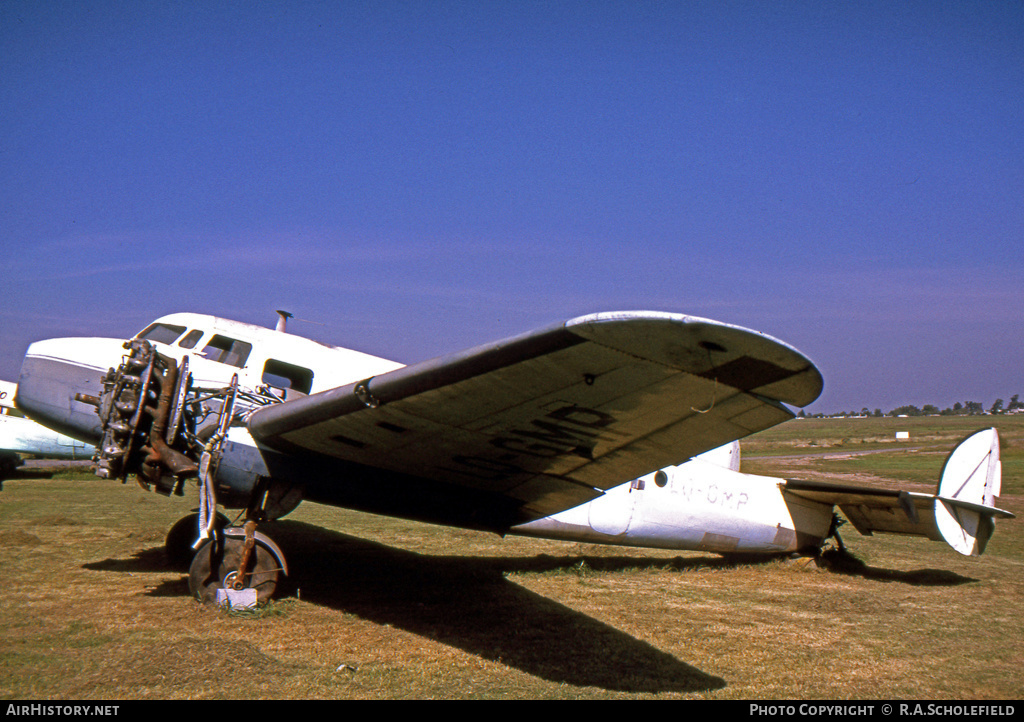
pixel 851 566
pixel 467 603
pixel 463 602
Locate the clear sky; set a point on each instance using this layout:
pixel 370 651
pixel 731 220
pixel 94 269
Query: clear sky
pixel 414 178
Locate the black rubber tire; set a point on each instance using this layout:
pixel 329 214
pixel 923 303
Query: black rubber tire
pixel 181 537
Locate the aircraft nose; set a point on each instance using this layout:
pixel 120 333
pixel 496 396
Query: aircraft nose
pixel 54 371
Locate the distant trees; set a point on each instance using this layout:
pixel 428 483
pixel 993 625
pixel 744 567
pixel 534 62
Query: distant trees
pixel 967 408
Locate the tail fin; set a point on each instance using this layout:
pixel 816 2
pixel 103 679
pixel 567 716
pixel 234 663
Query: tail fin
pixel 728 456
pixel 964 503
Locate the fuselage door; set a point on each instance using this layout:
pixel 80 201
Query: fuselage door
pixel 612 513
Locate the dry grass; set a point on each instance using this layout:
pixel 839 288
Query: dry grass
pixel 390 609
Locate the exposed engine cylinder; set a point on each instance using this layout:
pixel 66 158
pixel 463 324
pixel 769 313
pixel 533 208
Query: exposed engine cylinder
pixel 149 411
pixel 141 410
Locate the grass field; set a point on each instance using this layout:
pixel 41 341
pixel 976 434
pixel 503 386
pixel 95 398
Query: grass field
pixel 387 609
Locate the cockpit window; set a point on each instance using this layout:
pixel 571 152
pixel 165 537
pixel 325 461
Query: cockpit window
pixel 162 333
pixel 227 351
pixel 191 339
pixel 287 376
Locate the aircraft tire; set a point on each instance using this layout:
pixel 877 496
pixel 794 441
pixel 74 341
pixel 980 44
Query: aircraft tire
pixel 181 537
pixel 216 561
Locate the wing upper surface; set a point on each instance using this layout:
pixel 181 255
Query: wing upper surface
pixel 550 418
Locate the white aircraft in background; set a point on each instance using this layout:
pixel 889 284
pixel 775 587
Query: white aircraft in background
pixel 586 430
pixel 20 435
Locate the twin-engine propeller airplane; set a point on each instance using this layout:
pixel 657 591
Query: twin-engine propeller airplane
pixel 19 435
pixel 586 430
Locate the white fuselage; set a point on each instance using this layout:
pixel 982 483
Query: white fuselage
pixel 698 506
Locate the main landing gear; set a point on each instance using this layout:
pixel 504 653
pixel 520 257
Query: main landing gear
pixel 181 539
pixel 233 559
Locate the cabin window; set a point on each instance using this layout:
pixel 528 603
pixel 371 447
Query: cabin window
pixel 287 376
pixel 162 333
pixel 227 351
pixel 191 339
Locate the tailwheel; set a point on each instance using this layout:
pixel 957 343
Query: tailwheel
pixel 236 560
pixel 836 557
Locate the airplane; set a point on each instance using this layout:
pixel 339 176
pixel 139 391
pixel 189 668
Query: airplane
pixel 613 428
pixel 20 435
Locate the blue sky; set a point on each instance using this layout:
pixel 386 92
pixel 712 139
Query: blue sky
pixel 413 178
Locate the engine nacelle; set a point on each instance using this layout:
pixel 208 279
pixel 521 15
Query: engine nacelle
pixel 242 481
pixel 238 474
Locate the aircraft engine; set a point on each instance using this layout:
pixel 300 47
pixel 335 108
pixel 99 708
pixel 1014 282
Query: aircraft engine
pixel 140 433
pixel 157 426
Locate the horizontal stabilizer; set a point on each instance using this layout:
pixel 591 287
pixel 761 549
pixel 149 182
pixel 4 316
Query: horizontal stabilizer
pixel 961 513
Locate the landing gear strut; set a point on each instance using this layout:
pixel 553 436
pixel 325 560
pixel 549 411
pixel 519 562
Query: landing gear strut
pixel 833 533
pixel 837 557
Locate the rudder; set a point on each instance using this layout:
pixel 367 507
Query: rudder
pixel 965 502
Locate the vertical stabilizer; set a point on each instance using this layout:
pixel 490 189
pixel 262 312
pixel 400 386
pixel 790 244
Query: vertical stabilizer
pixel 965 503
pixel 728 456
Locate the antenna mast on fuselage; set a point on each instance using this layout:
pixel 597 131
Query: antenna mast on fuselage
pixel 282 320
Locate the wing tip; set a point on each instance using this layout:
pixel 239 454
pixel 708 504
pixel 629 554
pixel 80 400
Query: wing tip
pixel 706 346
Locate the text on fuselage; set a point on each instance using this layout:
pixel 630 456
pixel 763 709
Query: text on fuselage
pixel 710 494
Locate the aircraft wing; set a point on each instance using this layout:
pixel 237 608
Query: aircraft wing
pixel 19 434
pixel 22 435
pixel 548 419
